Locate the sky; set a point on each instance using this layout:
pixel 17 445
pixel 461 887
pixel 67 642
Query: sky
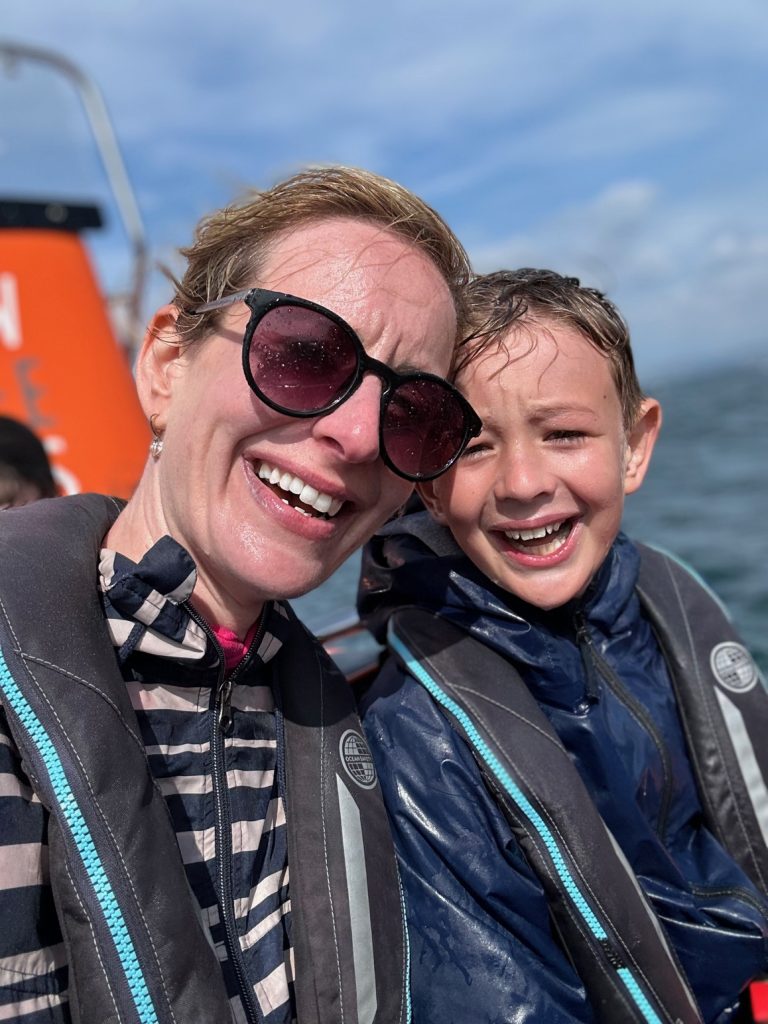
pixel 625 143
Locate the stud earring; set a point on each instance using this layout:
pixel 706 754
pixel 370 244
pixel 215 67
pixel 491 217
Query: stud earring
pixel 156 445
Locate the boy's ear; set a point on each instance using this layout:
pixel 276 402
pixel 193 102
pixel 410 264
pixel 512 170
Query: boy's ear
pixel 640 442
pixel 429 492
pixel 158 363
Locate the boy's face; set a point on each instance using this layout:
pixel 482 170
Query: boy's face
pixel 536 500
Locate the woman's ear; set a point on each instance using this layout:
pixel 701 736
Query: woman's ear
pixel 640 443
pixel 429 492
pixel 158 362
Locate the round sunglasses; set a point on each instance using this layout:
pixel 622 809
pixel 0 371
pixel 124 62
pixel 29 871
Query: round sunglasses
pixel 301 359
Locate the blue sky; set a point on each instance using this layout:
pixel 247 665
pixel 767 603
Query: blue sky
pixel 625 143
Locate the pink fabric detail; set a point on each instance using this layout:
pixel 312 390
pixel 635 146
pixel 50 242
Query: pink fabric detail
pixel 234 649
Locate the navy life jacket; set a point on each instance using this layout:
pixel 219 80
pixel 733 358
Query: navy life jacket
pixel 604 920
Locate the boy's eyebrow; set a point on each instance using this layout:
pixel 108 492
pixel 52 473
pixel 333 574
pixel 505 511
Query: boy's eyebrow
pixel 543 413
pixel 543 410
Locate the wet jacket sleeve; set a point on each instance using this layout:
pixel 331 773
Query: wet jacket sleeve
pixel 33 972
pixel 482 945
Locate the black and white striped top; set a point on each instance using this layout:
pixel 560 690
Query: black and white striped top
pixel 171 664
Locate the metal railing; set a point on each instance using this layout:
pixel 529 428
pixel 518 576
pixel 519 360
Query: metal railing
pixel 112 161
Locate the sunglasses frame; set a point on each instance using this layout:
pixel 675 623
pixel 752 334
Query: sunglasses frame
pixel 261 301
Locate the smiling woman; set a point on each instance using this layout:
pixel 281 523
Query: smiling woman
pixel 207 491
pixel 295 390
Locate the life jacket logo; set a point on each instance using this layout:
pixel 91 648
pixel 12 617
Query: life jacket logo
pixel 357 759
pixel 733 667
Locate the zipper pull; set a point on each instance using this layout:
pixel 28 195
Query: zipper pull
pixel 591 674
pixel 224 719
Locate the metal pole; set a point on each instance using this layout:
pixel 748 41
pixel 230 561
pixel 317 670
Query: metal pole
pixel 114 167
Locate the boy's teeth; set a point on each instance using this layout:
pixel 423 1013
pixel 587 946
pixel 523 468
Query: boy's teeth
pixel 323 504
pixel 535 534
pixel 541 540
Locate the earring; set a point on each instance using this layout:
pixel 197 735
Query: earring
pixel 156 445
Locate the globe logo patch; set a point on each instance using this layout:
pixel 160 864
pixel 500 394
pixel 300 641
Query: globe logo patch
pixel 733 667
pixel 357 759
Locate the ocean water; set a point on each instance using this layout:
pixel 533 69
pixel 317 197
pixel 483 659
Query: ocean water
pixel 706 494
pixel 705 498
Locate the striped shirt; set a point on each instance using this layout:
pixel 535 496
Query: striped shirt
pixel 221 783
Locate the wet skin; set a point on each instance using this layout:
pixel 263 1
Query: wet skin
pixel 205 491
pixel 553 458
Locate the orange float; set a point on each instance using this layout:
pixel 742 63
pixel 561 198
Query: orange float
pixel 62 371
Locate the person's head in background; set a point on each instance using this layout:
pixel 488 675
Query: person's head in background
pixel 536 500
pixel 25 472
pixel 279 448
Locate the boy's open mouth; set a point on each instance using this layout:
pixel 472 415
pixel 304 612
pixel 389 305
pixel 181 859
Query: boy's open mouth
pixel 541 540
pixel 298 494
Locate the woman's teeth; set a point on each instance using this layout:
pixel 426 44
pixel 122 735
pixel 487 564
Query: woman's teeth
pixel 300 493
pixel 541 540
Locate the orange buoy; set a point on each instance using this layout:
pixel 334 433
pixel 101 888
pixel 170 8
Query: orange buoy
pixel 62 371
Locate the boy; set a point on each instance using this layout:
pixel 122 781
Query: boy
pixel 562 766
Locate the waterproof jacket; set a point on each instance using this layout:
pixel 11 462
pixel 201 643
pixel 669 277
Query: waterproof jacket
pixel 135 947
pixel 487 942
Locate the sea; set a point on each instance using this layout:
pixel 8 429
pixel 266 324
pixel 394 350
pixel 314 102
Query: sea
pixel 705 497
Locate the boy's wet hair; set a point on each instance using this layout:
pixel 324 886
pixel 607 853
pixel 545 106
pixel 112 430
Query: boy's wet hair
pixel 505 299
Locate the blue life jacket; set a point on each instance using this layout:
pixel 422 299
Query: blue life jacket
pixel 646 688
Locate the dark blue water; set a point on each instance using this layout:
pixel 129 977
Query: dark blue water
pixel 705 497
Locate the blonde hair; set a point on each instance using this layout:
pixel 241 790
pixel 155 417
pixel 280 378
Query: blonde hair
pixel 231 245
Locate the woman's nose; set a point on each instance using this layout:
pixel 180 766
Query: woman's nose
pixel 353 426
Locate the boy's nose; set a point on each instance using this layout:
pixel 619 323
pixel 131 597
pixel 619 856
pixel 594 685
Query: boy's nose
pixel 524 475
pixel 353 427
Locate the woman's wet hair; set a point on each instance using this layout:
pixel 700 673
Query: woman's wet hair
pixel 231 245
pixel 505 300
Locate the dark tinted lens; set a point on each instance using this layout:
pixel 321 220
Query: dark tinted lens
pixel 300 359
pixel 423 427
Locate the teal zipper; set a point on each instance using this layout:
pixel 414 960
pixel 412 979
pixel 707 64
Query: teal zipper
pixel 86 847
pixel 416 669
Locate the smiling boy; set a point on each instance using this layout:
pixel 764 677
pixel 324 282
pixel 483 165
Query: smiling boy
pixel 561 809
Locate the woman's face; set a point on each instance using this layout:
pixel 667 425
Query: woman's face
pixel 210 489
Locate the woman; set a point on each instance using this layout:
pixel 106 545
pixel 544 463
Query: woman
pixel 146 653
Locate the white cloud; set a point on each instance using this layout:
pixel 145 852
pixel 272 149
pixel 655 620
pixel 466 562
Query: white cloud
pixel 625 122
pixel 595 232
pixel 609 138
pixel 689 275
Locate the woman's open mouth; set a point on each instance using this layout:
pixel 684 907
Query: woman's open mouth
pixel 541 540
pixel 295 492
